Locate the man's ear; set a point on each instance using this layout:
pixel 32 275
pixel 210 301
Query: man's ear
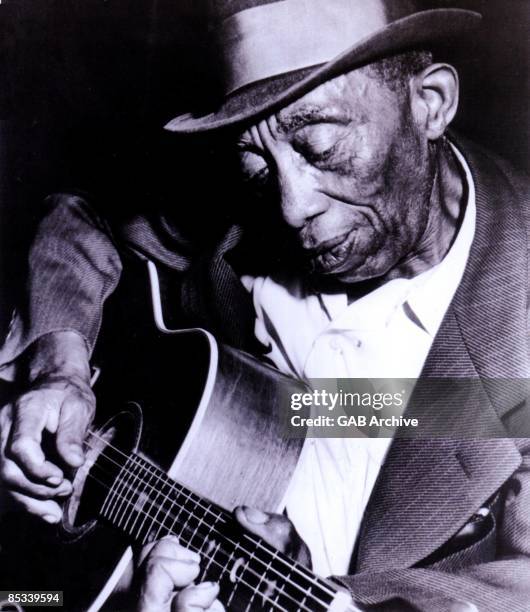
pixel 435 94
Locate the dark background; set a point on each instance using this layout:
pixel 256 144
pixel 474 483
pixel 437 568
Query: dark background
pixel 87 85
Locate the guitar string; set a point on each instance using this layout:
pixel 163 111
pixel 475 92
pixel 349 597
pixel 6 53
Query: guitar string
pixel 223 568
pixel 313 580
pixel 268 567
pixel 212 560
pixel 302 571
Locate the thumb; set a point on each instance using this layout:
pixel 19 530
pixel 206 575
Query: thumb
pixel 275 529
pixel 71 431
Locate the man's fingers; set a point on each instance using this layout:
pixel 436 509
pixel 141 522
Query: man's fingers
pixel 29 456
pixel 15 480
pixel 275 529
pixel 169 547
pixel 167 567
pixel 74 419
pixel 200 597
pixel 157 589
pixel 30 417
pixel 48 510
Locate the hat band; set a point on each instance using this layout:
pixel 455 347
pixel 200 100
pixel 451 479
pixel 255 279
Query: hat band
pixel 280 37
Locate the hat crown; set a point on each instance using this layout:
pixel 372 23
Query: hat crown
pixel 221 9
pixel 275 51
pixel 259 39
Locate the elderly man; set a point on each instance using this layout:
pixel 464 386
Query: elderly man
pixel 398 251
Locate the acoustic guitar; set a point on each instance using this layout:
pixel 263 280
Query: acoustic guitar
pixel 201 431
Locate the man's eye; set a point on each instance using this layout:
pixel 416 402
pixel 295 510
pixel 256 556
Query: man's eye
pixel 317 142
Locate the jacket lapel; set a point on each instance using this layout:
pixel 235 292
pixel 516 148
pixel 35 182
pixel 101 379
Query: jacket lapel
pixel 425 493
pixel 428 489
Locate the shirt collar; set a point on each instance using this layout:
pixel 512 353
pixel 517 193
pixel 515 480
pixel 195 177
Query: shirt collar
pixel 430 299
pixel 424 298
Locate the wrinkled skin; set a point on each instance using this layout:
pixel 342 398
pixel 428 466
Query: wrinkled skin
pixel 351 167
pixel 357 177
pixel 352 171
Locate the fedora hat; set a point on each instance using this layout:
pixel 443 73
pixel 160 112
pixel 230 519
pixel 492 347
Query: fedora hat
pixel 272 52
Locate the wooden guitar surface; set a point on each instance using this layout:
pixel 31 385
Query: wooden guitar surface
pixel 220 407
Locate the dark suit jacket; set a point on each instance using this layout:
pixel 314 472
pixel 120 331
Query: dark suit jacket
pixel 409 554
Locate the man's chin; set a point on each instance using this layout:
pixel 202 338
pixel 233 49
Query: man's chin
pixel 336 278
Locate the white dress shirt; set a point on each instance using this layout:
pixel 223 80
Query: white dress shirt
pixel 385 334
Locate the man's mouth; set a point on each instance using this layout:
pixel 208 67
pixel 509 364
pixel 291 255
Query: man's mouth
pixel 329 256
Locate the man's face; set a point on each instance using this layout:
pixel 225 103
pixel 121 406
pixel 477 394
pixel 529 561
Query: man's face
pixel 350 173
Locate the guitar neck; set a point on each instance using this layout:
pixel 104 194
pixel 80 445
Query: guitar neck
pixel 144 503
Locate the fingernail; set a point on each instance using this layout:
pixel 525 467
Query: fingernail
pixel 64 492
pixel 255 516
pixel 77 452
pixel 54 480
pixel 50 518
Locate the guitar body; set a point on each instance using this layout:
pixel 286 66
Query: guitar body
pixel 207 415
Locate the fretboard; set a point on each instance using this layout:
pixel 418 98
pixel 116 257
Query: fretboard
pixel 146 504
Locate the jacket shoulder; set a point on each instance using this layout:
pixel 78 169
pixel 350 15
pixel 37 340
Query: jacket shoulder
pixel 496 178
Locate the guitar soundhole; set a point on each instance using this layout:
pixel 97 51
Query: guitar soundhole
pixel 107 449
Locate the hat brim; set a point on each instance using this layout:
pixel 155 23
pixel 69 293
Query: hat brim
pixel 419 30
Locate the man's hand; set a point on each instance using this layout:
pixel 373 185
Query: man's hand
pixel 167 568
pixel 59 401
pixel 277 530
pixel 168 571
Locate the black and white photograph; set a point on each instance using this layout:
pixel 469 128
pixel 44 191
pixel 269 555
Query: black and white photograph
pixel 265 305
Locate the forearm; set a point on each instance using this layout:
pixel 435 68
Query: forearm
pixel 73 267
pixel 57 356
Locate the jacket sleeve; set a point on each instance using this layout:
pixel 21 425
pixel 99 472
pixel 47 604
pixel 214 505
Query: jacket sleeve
pixel 501 583
pixel 73 267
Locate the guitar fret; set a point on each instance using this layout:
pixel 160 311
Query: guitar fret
pixel 302 603
pixel 127 496
pixel 279 591
pixel 206 540
pixel 175 519
pixel 164 511
pixel 113 498
pixel 293 587
pixel 141 499
pixel 255 588
pixel 211 558
pixel 233 576
pixel 144 502
pixel 214 568
pixel 200 521
pixel 226 565
pixel 121 494
pixel 144 530
pixel 185 523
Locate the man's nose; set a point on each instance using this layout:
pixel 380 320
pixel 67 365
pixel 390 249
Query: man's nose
pixel 300 199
